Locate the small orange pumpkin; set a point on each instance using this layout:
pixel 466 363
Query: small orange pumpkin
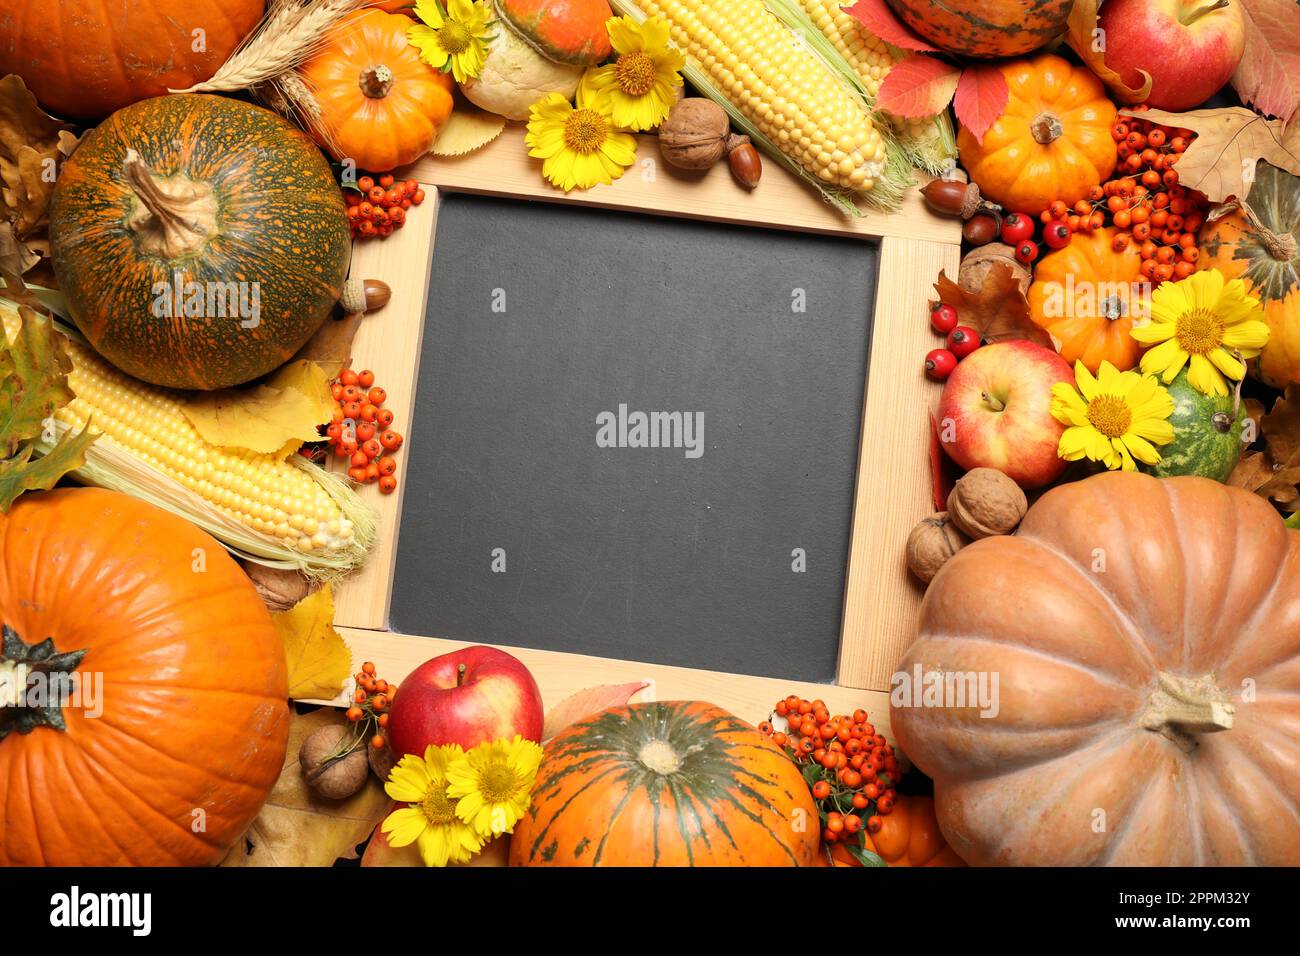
pixel 380 105
pixel 909 836
pixel 1052 142
pixel 1086 297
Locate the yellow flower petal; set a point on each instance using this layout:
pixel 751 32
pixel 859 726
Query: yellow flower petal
pixel 1250 335
pixel 1205 378
pixel 1227 364
pixel 403 827
pixel 624 34
pixel 1087 384
pixel 1140 449
pixel 427 10
pixel 1155 332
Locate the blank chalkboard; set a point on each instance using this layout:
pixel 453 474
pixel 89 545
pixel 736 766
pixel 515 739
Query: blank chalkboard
pixel 537 512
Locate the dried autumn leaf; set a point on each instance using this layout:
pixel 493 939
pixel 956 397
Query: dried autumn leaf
pixel 297 827
pixel 981 98
pixel 1253 470
pixel 998 311
pixel 918 86
pixel 1268 76
pixel 1229 143
pixel 1088 40
pixel 275 417
pixel 1281 430
pixel 22 473
pixel 881 21
pixel 467 129
pixel 587 702
pixel 319 659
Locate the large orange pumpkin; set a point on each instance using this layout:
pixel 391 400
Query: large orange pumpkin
pixel 1052 142
pixel 986 28
pixel 381 106
pixel 1265 252
pixel 85 60
pixel 1086 296
pixel 676 783
pixel 1145 637
pixel 909 836
pixel 171 760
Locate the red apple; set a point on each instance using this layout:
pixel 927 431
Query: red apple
pixel 1191 48
pixel 996 412
pixel 469 696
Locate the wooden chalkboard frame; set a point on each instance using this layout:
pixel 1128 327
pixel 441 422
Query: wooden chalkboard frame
pixel 893 478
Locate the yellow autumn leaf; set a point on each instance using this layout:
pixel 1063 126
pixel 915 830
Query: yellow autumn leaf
pixel 319 659
pixel 467 129
pixel 275 417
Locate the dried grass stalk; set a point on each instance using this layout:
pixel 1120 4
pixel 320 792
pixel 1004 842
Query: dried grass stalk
pixel 289 33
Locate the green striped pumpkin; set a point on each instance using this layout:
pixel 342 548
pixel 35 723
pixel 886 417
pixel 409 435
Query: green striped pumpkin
pixel 677 783
pixel 1207 438
pixel 214 198
pixel 986 28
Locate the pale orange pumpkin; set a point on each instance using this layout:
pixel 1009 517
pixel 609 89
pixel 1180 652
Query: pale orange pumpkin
pixel 1052 142
pixel 380 105
pixel 1086 296
pixel 1145 636
pixel 1265 252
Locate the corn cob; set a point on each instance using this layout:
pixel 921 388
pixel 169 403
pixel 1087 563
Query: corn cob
pixel 928 141
pixel 771 77
pixel 276 512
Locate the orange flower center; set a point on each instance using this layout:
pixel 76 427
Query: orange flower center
pixel 1199 331
pixel 635 73
pixel 1110 415
pixel 454 37
pixel 585 131
pixel 435 806
pixel 497 783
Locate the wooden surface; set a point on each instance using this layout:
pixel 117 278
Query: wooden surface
pixel 893 483
pixel 781 200
pixel 893 492
pixel 560 675
pixel 388 343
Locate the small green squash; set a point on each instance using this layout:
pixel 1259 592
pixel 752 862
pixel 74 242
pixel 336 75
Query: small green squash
pixel 1207 437
pixel 199 240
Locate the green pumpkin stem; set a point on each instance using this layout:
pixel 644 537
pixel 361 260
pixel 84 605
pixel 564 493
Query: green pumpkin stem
pixel 20 662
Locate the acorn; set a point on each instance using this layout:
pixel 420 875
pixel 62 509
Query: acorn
pixel 956 199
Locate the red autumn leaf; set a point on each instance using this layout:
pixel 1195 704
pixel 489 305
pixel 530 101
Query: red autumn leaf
pixel 587 702
pixel 981 97
pixel 918 86
pixel 876 16
pixel 1268 77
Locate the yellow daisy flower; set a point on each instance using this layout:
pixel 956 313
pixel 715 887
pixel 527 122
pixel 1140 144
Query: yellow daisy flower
pixel 430 819
pixel 643 80
pixel 452 39
pixel 1204 320
pixel 493 785
pixel 1113 418
pixel 578 147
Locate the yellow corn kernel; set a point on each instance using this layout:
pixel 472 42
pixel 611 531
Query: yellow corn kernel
pixel 262 493
pixel 869 56
pixel 784 89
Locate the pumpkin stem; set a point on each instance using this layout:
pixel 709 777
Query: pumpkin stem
pixel 1192 16
pixel 1046 128
pixel 376 81
pixel 1182 707
pixel 34 682
pixel 659 756
pixel 1281 246
pixel 174 218
pixel 1112 308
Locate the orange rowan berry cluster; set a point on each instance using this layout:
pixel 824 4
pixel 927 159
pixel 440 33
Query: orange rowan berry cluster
pixel 370 703
pixel 361 430
pixel 849 767
pixel 378 205
pixel 1144 201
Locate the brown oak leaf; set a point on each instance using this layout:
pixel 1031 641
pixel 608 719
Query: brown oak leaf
pixel 1229 144
pixel 998 310
pixel 1085 38
pixel 1268 76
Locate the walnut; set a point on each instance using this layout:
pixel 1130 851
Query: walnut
pixel 695 134
pixel 986 502
pixel 330 775
pixel 975 267
pixel 279 589
pixel 931 543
